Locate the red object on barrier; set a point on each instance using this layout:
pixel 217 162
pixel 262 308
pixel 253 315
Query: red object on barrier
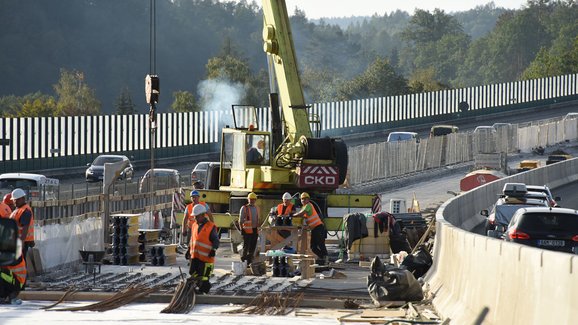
pixel 478 178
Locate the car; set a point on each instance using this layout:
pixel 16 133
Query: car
pixel 206 175
pixel 547 228
pixel 484 129
pixel 163 179
pixel 526 165
pixel 499 125
pixel 95 170
pixel 442 129
pixel 497 221
pixel 554 158
pixel 402 136
pixel 513 197
pixel 545 189
pixel 36 186
pixel 571 115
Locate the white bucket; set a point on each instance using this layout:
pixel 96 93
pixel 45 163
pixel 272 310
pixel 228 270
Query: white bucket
pixel 238 267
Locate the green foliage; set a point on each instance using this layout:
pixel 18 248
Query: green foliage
pixel 380 79
pixel 124 104
pixel 184 102
pixel 107 40
pixel 31 105
pixel 425 81
pixel 426 27
pixel 74 96
pixel 40 107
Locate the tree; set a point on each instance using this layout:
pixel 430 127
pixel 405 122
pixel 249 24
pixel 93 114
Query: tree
pixel 425 81
pixel 380 79
pixel 29 105
pixel 40 107
pixel 74 96
pixel 425 27
pixel 184 101
pixel 124 104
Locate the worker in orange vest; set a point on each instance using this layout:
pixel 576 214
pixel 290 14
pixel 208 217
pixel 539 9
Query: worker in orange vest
pixel 249 221
pixel 189 218
pixel 12 279
pixel 8 200
pixel 318 231
pixel 286 210
pixel 25 219
pixel 6 206
pixel 203 248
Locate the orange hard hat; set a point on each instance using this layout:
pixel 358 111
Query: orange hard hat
pixel 7 198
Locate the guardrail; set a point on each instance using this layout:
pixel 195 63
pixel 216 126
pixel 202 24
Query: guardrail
pixel 35 143
pixel 477 277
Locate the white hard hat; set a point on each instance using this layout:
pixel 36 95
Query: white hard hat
pixel 286 196
pixel 199 209
pixel 18 193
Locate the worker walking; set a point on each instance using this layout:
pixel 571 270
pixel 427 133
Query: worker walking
pixel 12 279
pixel 249 221
pixel 203 248
pixel 25 220
pixel 318 231
pixel 6 206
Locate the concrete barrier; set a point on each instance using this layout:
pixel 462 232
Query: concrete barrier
pixel 482 280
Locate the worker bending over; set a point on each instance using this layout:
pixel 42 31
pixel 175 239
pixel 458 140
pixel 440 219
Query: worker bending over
pixel 312 220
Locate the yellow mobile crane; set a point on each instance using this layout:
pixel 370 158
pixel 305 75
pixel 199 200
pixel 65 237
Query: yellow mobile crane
pixel 289 158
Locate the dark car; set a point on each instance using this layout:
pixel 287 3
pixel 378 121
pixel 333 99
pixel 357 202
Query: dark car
pixel 548 228
pixel 95 171
pixel 163 179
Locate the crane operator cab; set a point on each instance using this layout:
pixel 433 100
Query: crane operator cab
pixel 250 161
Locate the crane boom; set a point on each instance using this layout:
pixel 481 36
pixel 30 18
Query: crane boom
pixel 278 44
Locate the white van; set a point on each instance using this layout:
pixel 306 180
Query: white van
pixel 37 187
pixel 402 136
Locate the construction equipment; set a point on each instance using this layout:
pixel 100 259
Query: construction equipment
pixel 289 158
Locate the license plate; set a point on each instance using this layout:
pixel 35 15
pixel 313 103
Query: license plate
pixel 551 242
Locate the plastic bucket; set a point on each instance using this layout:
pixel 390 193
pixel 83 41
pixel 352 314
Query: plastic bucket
pixel 238 267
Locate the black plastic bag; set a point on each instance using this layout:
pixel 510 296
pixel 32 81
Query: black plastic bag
pixel 388 283
pixel 419 262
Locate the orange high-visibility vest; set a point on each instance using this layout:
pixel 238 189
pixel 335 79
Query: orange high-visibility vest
pixel 16 216
pixel 5 210
pixel 189 212
pixel 313 220
pixel 19 270
pixel 281 211
pixel 201 244
pixel 248 223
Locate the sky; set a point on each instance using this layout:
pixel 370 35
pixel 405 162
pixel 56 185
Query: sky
pixel 344 8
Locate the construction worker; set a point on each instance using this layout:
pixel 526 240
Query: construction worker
pixel 189 218
pixel 249 221
pixel 25 220
pixel 203 247
pixel 285 209
pixel 318 231
pixel 6 206
pixel 12 279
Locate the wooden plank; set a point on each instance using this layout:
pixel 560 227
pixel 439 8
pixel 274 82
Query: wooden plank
pixel 373 313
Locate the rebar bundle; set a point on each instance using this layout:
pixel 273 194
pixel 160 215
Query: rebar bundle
pixel 120 299
pixel 184 298
pixel 271 304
